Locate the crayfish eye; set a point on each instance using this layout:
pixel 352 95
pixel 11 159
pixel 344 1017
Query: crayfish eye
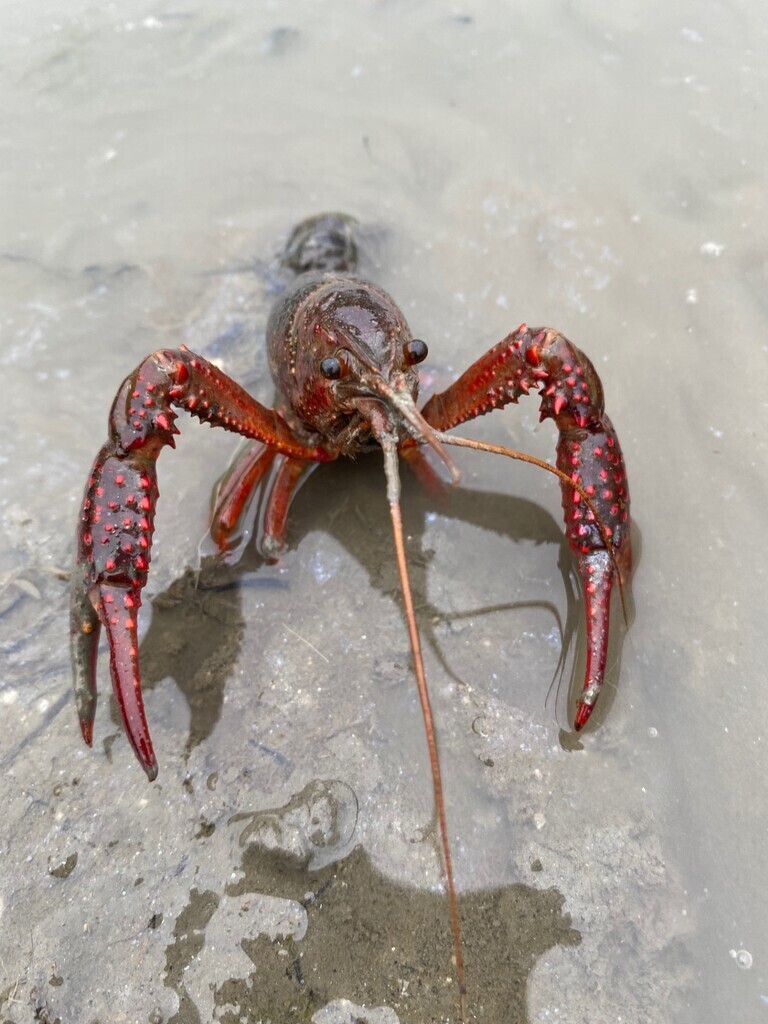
pixel 330 368
pixel 415 351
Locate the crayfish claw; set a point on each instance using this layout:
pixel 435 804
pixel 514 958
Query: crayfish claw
pixel 85 629
pixel 119 609
pixel 598 571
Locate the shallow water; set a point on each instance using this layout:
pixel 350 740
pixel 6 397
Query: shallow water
pixel 600 169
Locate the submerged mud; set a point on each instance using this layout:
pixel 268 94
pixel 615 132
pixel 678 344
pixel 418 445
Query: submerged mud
pixel 599 169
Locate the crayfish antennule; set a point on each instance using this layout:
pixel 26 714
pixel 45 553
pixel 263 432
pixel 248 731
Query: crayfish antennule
pixel 421 429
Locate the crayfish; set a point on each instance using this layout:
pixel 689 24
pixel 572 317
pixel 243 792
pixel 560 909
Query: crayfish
pixel 344 363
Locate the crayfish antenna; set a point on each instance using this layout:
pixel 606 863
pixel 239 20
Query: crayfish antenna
pixel 393 495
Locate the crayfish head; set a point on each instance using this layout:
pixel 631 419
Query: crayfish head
pixel 351 375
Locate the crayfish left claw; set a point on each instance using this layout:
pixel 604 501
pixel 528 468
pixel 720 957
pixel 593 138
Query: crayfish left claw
pixel 598 572
pixel 597 525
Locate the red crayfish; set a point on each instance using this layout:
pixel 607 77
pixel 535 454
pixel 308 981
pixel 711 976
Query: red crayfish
pixel 344 363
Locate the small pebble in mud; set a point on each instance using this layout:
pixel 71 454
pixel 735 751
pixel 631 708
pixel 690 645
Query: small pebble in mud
pixel 65 869
pixel 536 865
pixel 206 829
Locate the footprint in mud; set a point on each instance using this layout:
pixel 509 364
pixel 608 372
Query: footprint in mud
pixel 308 931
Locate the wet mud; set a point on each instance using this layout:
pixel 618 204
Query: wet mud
pixel 361 937
pixel 598 168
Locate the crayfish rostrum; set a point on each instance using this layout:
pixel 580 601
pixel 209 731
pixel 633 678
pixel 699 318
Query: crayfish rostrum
pixel 345 366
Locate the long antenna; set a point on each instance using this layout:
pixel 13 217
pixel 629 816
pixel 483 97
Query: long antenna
pixel 393 496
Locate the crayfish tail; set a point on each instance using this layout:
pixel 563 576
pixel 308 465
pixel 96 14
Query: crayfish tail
pixel 324 244
pixel 120 607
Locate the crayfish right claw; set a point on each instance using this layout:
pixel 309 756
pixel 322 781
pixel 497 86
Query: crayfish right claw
pixel 116 608
pixel 84 644
pixel 113 542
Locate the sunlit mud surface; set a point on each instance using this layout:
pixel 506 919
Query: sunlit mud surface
pixel 597 168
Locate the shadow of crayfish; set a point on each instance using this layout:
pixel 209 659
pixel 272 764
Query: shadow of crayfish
pixel 341 931
pixel 198 625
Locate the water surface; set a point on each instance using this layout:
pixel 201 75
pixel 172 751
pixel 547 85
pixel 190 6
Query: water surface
pixel 600 169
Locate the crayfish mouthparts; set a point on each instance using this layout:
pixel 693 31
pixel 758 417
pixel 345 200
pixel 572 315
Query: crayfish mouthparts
pixel 402 403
